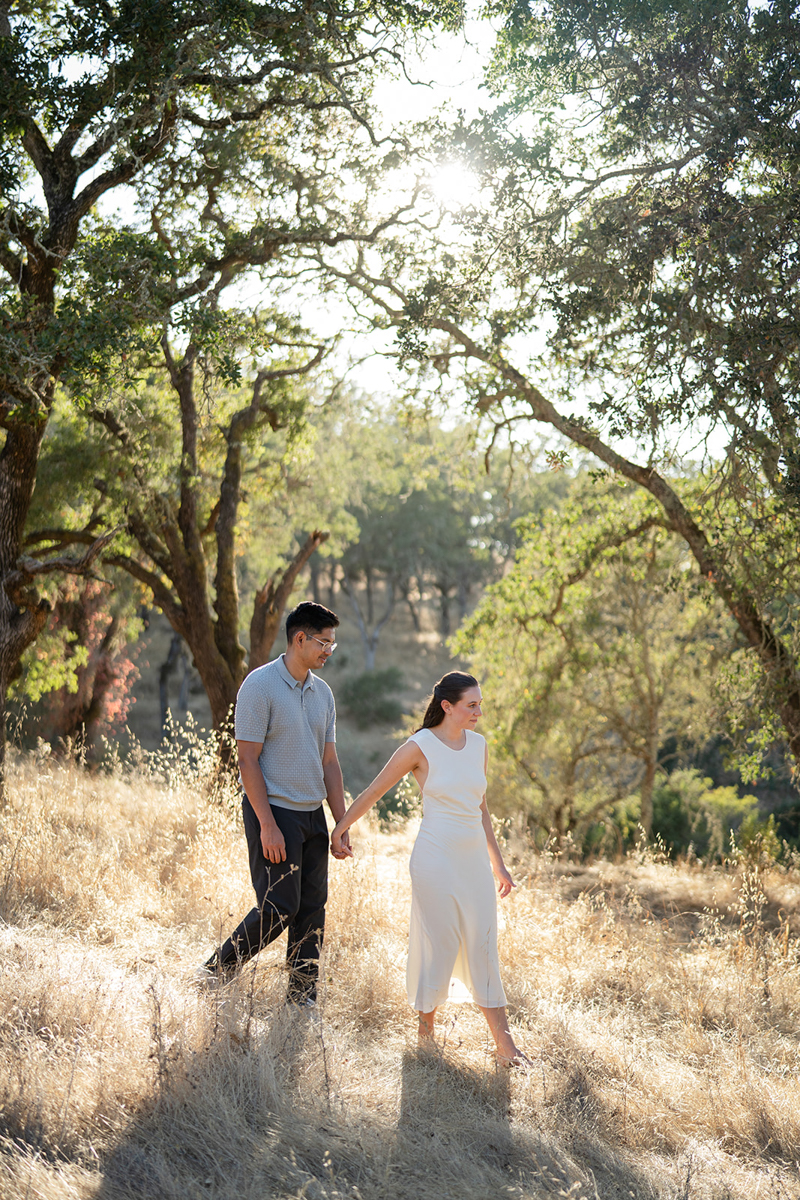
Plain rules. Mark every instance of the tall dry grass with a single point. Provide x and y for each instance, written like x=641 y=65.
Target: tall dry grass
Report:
x=659 y=1004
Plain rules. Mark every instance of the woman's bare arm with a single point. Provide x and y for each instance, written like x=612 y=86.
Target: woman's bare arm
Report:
x=504 y=881
x=408 y=758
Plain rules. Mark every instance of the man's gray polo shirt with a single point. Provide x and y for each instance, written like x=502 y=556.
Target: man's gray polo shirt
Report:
x=294 y=722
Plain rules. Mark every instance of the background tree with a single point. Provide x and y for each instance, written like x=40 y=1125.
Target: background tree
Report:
x=419 y=539
x=97 y=698
x=241 y=449
x=593 y=651
x=218 y=116
x=433 y=526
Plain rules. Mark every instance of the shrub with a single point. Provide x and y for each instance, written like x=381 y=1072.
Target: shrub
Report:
x=372 y=697
x=758 y=842
x=689 y=811
x=397 y=806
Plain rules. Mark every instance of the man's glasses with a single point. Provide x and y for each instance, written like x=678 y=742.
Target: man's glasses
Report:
x=331 y=646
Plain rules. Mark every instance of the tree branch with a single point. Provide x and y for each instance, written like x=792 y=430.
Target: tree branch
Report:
x=63 y=537
x=18 y=581
x=271 y=600
x=163 y=596
x=124 y=171
x=36 y=147
x=611 y=542
x=11 y=263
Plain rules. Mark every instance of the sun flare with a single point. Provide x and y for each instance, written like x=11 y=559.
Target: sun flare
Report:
x=454 y=185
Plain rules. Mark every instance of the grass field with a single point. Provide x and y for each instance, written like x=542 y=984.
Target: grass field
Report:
x=660 y=1005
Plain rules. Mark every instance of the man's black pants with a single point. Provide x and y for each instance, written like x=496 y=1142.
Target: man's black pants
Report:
x=290 y=895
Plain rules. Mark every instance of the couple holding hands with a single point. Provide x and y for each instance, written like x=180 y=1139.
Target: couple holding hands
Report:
x=285 y=732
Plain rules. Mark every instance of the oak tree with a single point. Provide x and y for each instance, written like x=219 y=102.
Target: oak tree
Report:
x=593 y=651
x=624 y=272
x=226 y=135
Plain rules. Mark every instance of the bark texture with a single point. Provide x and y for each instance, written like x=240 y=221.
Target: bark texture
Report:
x=270 y=602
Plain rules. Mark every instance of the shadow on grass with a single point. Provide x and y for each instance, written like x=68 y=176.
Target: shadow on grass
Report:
x=268 y=1116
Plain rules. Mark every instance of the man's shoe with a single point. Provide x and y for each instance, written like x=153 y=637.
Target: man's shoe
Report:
x=211 y=976
x=306 y=1006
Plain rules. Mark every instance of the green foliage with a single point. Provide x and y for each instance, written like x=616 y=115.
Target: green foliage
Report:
x=404 y=802
x=53 y=662
x=591 y=651
x=370 y=698
x=626 y=274
x=58 y=658
x=758 y=842
x=688 y=811
x=239 y=130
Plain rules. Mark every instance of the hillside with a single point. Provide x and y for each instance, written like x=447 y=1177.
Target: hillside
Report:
x=658 y=1003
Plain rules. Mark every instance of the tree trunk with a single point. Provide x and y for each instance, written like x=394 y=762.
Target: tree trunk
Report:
x=370 y=603
x=23 y=613
x=270 y=602
x=186 y=682
x=220 y=685
x=370 y=640
x=314 y=572
x=646 y=794
x=412 y=608
x=164 y=672
x=462 y=598
x=444 y=613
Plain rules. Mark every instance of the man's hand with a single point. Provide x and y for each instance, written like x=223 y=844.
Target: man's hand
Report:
x=340 y=844
x=272 y=842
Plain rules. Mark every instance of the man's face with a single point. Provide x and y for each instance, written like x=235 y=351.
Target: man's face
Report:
x=315 y=648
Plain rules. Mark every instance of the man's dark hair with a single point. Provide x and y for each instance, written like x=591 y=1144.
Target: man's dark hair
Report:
x=311 y=618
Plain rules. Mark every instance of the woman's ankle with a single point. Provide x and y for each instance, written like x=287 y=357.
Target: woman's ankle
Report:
x=506 y=1046
x=425 y=1026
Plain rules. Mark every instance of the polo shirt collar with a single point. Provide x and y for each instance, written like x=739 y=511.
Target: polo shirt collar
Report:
x=286 y=674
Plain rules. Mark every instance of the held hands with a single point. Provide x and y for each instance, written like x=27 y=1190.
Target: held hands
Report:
x=504 y=881
x=340 y=843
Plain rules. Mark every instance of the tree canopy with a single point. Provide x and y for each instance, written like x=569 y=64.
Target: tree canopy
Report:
x=625 y=273
x=227 y=136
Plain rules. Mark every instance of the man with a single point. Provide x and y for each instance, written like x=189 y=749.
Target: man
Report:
x=285 y=733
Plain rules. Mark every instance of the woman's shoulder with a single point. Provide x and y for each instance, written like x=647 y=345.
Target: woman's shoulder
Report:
x=476 y=738
x=416 y=746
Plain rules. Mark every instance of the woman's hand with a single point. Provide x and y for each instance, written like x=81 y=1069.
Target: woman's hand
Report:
x=504 y=881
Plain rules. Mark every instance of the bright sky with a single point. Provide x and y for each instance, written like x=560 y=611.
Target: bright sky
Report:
x=449 y=71
x=446 y=73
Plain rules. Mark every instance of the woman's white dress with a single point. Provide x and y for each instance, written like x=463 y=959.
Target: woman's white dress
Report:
x=453 y=904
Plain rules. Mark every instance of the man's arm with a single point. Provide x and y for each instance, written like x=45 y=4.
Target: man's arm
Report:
x=272 y=842
x=334 y=790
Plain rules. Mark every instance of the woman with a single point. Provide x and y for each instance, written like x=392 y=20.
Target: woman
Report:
x=453 y=906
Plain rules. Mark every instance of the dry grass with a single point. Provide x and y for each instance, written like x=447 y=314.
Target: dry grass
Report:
x=660 y=1005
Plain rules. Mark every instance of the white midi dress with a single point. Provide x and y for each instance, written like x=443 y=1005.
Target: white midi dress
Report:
x=453 y=938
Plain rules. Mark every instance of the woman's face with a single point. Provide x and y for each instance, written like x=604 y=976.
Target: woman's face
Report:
x=465 y=712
